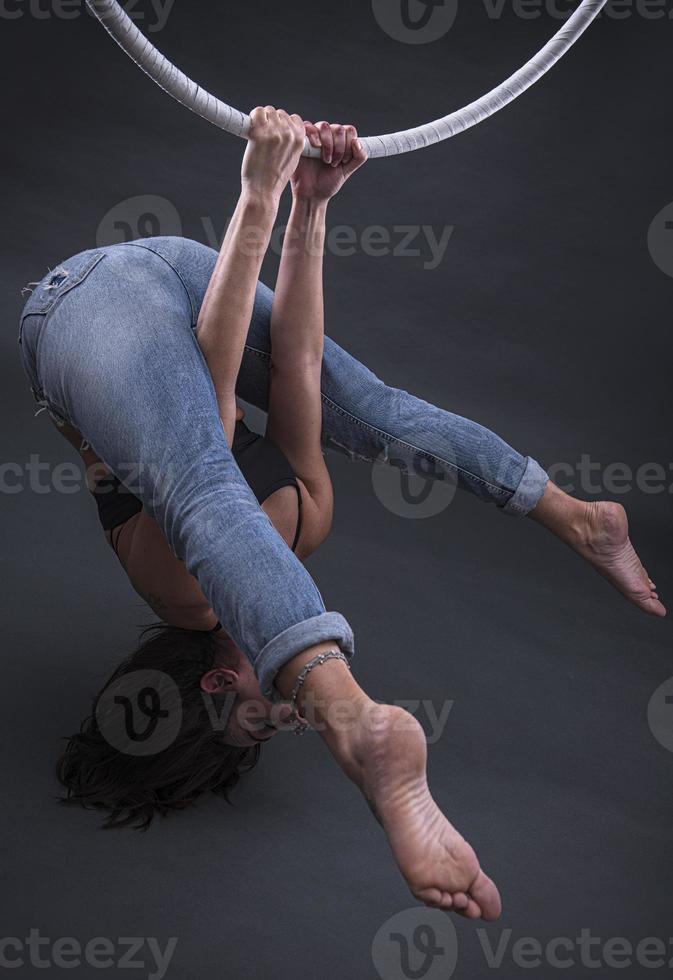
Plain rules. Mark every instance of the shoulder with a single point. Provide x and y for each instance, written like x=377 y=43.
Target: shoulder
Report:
x=159 y=577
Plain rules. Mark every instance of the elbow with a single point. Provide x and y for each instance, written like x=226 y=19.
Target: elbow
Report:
x=310 y=541
x=318 y=517
x=298 y=364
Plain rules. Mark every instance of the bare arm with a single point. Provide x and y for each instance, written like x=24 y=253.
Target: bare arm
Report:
x=275 y=144
x=227 y=307
x=297 y=334
x=297 y=321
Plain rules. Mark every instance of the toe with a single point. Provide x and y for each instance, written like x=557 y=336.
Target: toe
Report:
x=487 y=897
x=435 y=898
x=447 y=900
x=473 y=911
x=653 y=605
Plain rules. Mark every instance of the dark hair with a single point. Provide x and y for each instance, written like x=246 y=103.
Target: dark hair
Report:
x=135 y=788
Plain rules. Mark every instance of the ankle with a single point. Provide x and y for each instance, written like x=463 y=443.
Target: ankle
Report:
x=578 y=527
x=565 y=516
x=388 y=737
x=343 y=726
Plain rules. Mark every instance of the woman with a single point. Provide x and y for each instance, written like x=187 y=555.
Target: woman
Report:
x=138 y=352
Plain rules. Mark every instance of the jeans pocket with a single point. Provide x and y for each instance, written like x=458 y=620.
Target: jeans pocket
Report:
x=59 y=281
x=35 y=315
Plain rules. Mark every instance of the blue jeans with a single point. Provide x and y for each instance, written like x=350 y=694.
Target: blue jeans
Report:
x=107 y=342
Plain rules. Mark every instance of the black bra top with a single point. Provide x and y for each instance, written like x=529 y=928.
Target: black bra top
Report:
x=265 y=468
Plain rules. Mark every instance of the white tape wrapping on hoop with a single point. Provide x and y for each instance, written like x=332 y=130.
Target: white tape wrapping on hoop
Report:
x=191 y=95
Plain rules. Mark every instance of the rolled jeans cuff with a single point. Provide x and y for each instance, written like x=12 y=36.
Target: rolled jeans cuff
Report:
x=318 y=629
x=529 y=491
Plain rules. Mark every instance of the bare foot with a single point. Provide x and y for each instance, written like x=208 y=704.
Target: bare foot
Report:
x=438 y=864
x=599 y=532
x=604 y=542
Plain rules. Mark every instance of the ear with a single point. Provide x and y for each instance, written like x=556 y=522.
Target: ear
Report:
x=220 y=680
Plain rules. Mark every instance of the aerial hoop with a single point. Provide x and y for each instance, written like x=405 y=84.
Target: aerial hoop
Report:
x=191 y=95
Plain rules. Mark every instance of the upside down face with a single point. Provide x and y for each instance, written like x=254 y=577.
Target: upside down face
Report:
x=252 y=718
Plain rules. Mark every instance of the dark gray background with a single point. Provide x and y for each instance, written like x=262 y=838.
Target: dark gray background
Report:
x=547 y=321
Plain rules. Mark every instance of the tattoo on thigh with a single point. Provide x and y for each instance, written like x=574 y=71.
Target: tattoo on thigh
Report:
x=156 y=602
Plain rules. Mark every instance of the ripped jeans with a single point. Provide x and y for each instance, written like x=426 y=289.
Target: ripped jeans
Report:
x=107 y=342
